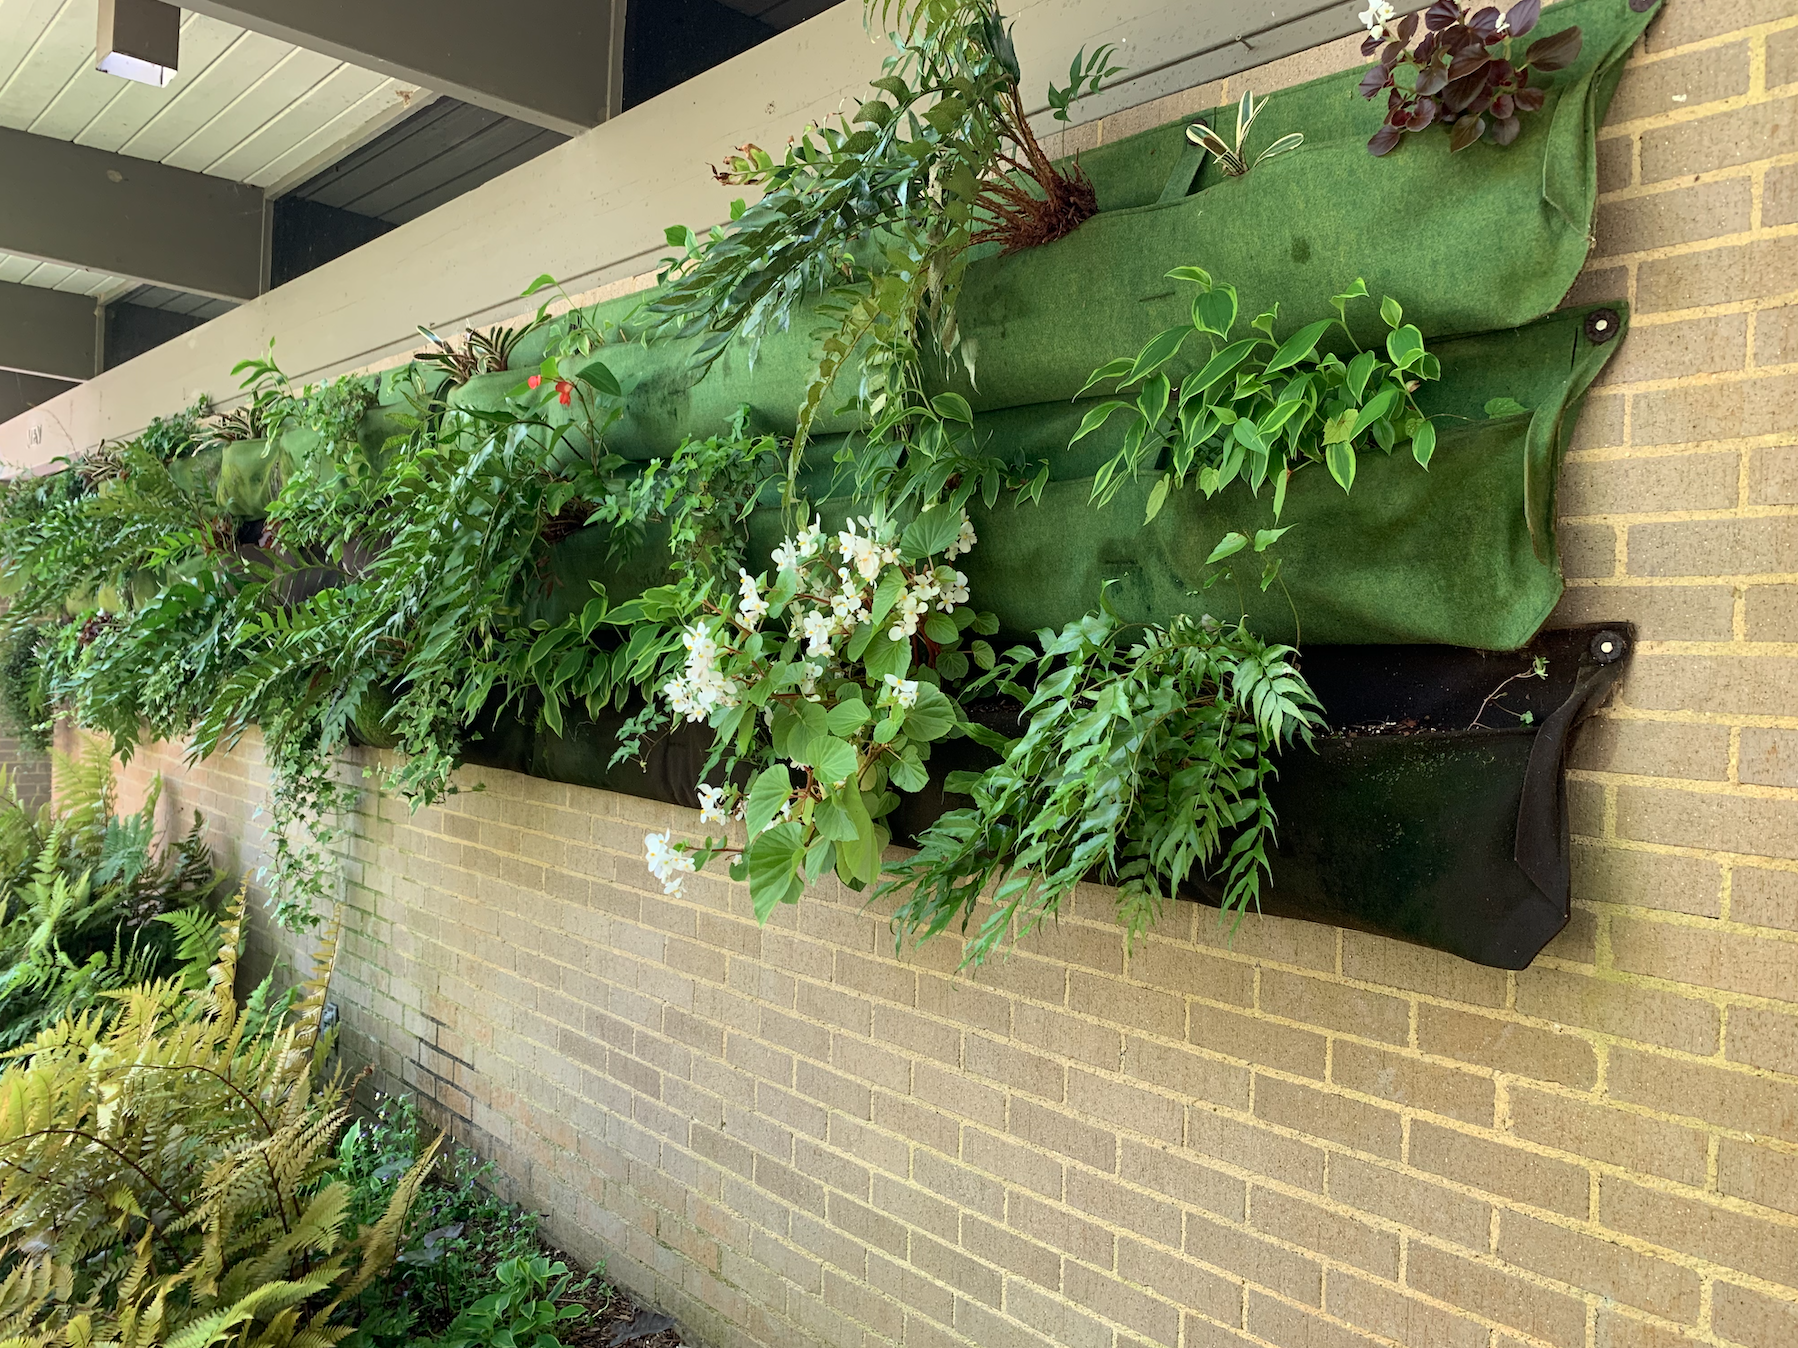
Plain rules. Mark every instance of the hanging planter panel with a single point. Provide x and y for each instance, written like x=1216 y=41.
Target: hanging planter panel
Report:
x=1435 y=812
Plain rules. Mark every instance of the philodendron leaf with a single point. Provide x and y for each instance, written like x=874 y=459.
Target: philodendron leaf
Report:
x=1266 y=538
x=1298 y=346
x=774 y=861
x=1157 y=498
x=1423 y=443
x=597 y=375
x=1340 y=459
x=1228 y=546
x=1405 y=346
x=767 y=793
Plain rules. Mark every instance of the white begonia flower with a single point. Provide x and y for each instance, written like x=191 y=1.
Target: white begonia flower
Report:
x=1375 y=17
x=904 y=691
x=808 y=682
x=906 y=613
x=810 y=538
x=666 y=862
x=704 y=687
x=786 y=556
x=818 y=628
x=954 y=588
x=847 y=607
x=711 y=805
x=751 y=608
x=964 y=541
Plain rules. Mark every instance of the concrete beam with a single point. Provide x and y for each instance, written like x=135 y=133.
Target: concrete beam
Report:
x=83 y=207
x=554 y=63
x=47 y=332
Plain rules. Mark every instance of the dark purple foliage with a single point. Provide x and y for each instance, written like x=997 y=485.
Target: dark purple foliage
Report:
x=1462 y=74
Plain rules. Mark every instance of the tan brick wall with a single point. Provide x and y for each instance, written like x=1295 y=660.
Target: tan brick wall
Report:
x=30 y=770
x=1306 y=1138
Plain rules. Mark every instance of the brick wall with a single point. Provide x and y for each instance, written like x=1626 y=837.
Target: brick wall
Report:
x=29 y=768
x=1306 y=1138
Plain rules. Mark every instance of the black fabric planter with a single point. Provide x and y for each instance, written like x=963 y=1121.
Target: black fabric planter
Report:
x=1439 y=833
x=1409 y=820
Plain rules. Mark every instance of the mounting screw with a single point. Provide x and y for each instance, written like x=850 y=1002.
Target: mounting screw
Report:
x=1602 y=325
x=1609 y=647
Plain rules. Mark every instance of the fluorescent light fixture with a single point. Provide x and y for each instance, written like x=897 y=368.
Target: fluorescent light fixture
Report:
x=139 y=40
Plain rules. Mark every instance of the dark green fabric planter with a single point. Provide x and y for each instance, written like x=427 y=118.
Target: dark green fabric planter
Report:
x=1408 y=820
x=1408 y=556
x=1485 y=240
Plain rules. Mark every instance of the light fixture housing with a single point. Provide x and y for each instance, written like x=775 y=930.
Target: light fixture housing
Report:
x=139 y=40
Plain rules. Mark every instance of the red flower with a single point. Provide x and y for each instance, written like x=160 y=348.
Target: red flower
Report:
x=533 y=381
x=564 y=392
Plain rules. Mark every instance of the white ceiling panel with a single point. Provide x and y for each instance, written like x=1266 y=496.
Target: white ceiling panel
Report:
x=241 y=106
x=54 y=276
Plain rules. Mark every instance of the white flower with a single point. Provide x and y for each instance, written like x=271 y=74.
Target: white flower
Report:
x=810 y=538
x=904 y=691
x=751 y=608
x=1375 y=17
x=817 y=628
x=964 y=541
x=809 y=674
x=865 y=552
x=786 y=556
x=703 y=688
x=666 y=862
x=711 y=805
x=906 y=613
x=953 y=586
x=847 y=608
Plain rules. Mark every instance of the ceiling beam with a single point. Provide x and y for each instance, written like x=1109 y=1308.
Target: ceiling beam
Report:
x=47 y=332
x=554 y=63
x=83 y=207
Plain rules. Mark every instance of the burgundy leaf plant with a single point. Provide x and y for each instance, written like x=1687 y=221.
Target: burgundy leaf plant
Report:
x=1463 y=73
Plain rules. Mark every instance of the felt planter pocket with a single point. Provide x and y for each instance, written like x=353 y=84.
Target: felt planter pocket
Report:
x=1435 y=812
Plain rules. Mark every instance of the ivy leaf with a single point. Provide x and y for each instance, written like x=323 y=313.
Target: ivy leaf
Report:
x=1505 y=407
x=774 y=861
x=1266 y=538
x=767 y=793
x=1228 y=546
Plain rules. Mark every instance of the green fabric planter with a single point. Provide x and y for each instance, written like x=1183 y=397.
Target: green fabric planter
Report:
x=1408 y=556
x=1488 y=239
